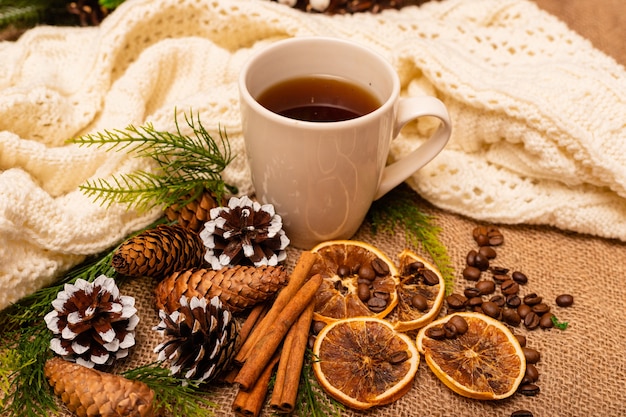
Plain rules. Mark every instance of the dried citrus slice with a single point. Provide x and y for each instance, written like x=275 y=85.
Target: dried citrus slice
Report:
x=483 y=362
x=359 y=281
x=420 y=294
x=363 y=362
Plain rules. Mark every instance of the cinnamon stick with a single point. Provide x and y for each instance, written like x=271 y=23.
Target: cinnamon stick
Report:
x=265 y=347
x=289 y=369
x=249 y=403
x=296 y=280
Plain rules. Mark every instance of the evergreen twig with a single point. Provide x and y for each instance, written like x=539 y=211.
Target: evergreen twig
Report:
x=311 y=401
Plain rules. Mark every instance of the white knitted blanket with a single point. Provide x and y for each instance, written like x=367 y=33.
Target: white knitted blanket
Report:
x=538 y=113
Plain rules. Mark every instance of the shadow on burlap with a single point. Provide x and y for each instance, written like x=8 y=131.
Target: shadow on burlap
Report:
x=582 y=369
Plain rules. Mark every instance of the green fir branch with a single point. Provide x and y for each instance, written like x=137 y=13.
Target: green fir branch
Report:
x=187 y=164
x=311 y=400
x=400 y=208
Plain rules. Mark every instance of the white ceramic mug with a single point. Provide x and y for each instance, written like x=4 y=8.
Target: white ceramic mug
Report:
x=322 y=177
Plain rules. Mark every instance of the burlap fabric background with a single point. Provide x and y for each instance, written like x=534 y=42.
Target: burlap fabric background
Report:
x=582 y=369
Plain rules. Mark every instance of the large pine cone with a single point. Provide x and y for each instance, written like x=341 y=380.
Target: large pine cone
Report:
x=239 y=287
x=202 y=338
x=92 y=323
x=159 y=252
x=88 y=392
x=194 y=214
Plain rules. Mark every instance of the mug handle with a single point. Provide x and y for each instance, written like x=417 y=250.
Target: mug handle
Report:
x=410 y=109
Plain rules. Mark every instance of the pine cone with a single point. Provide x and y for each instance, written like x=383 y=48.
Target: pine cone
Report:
x=202 y=338
x=193 y=215
x=92 y=323
x=238 y=288
x=88 y=392
x=244 y=233
x=159 y=252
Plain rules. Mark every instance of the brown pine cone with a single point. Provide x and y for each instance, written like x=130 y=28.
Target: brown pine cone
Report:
x=159 y=252
x=193 y=215
x=238 y=288
x=89 y=393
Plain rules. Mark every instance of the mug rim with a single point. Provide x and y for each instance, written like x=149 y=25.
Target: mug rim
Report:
x=303 y=40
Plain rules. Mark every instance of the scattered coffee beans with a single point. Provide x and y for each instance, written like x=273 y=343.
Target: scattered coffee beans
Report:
x=471 y=273
x=459 y=323
x=486 y=287
x=529 y=389
x=519 y=277
x=564 y=300
x=521 y=413
x=419 y=302
x=532 y=355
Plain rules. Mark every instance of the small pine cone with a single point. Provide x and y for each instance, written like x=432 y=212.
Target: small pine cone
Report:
x=244 y=233
x=193 y=215
x=202 y=338
x=159 y=252
x=92 y=323
x=89 y=393
x=238 y=288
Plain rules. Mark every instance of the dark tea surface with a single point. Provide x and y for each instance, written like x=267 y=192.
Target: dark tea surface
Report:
x=318 y=99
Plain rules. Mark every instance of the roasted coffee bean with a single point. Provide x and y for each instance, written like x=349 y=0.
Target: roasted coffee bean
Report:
x=364 y=281
x=471 y=273
x=380 y=267
x=519 y=277
x=475 y=301
x=478 y=309
x=532 y=355
x=564 y=300
x=546 y=321
x=381 y=294
x=430 y=278
x=509 y=287
x=318 y=326
x=488 y=252
x=495 y=237
x=540 y=308
x=499 y=270
x=355 y=269
x=456 y=301
x=523 y=310
x=521 y=413
x=450 y=330
x=311 y=342
x=531 y=321
x=513 y=300
x=436 y=332
x=459 y=323
x=343 y=271
x=376 y=304
x=471 y=292
x=486 y=287
x=470 y=258
x=529 y=389
x=363 y=292
x=398 y=357
x=490 y=309
x=480 y=235
x=500 y=278
x=416 y=266
x=419 y=302
x=499 y=300
x=521 y=339
x=532 y=299
x=511 y=317
x=367 y=272
x=531 y=372
x=481 y=262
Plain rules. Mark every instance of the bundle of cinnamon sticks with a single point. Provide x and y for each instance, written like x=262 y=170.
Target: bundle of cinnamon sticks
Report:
x=273 y=336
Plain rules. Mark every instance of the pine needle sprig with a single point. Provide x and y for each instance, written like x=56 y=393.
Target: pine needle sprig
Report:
x=171 y=394
x=400 y=208
x=186 y=165
x=311 y=401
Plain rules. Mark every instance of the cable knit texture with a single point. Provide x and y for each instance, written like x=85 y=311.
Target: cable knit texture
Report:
x=538 y=114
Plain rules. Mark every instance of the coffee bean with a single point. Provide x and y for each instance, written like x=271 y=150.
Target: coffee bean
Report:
x=459 y=323
x=471 y=292
x=499 y=269
x=481 y=262
x=367 y=272
x=382 y=294
x=475 y=301
x=546 y=321
x=564 y=300
x=343 y=271
x=499 y=300
x=380 y=267
x=470 y=258
x=531 y=372
x=509 y=287
x=521 y=339
x=519 y=277
x=450 y=330
x=532 y=299
x=521 y=413
x=491 y=309
x=478 y=309
x=430 y=278
x=510 y=316
x=532 y=355
x=435 y=332
x=363 y=292
x=500 y=278
x=318 y=326
x=486 y=287
x=471 y=273
x=480 y=235
x=355 y=269
x=398 y=357
x=523 y=310
x=414 y=267
x=495 y=237
x=513 y=300
x=541 y=308
x=456 y=301
x=488 y=252
x=376 y=304
x=419 y=302
x=531 y=321
x=529 y=390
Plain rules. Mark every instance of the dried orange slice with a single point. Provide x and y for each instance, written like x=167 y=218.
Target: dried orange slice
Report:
x=485 y=362
x=420 y=294
x=363 y=362
x=359 y=281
